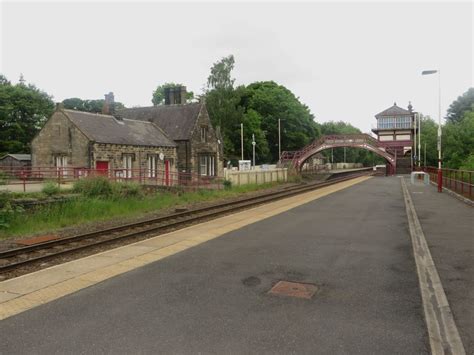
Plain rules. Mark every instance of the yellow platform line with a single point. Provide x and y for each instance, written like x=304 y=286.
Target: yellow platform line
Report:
x=25 y=292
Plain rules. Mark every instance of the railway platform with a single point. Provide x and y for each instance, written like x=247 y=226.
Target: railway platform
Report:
x=214 y=287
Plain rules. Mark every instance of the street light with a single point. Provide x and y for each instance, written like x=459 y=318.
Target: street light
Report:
x=419 y=139
x=242 y=140
x=253 y=149
x=440 y=173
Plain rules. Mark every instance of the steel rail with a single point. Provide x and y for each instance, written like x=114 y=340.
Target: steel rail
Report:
x=193 y=215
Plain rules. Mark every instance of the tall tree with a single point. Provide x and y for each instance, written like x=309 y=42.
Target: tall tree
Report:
x=462 y=104
x=428 y=136
x=220 y=77
x=158 y=97
x=458 y=141
x=223 y=105
x=272 y=102
x=23 y=110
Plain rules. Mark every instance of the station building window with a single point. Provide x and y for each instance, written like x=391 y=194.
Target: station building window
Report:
x=127 y=164
x=207 y=165
x=60 y=163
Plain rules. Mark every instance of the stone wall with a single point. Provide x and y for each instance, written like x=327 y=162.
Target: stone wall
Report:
x=60 y=136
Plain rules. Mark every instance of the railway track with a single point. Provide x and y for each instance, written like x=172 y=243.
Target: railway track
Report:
x=13 y=260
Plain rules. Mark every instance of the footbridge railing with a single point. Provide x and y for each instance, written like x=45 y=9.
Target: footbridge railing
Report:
x=296 y=159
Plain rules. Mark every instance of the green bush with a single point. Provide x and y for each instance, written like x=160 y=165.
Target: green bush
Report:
x=227 y=184
x=50 y=188
x=7 y=213
x=3 y=178
x=468 y=163
x=98 y=186
x=5 y=197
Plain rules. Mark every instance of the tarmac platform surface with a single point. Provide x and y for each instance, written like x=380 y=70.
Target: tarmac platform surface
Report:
x=213 y=296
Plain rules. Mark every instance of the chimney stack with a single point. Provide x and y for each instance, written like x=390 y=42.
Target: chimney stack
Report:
x=183 y=95
x=109 y=104
x=175 y=95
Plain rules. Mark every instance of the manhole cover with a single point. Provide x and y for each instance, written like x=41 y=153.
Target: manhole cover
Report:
x=294 y=289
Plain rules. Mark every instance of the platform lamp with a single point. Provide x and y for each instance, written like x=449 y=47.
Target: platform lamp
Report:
x=440 y=172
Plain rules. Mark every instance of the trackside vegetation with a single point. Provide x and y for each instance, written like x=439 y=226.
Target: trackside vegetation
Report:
x=98 y=199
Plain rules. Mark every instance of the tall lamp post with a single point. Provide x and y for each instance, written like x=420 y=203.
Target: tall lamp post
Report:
x=253 y=150
x=242 y=140
x=440 y=173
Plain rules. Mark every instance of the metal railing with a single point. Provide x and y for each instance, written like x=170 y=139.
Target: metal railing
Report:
x=63 y=175
x=459 y=181
x=336 y=140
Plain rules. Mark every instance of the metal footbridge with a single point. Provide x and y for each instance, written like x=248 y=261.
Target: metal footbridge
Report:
x=296 y=159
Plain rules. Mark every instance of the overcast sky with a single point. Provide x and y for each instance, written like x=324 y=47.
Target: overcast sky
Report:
x=346 y=61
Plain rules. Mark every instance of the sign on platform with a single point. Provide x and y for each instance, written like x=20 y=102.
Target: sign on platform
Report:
x=244 y=165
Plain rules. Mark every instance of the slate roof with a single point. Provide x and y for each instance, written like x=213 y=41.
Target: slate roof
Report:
x=176 y=120
x=393 y=111
x=107 y=129
x=22 y=157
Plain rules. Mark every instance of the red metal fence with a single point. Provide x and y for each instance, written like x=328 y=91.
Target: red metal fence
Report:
x=38 y=175
x=459 y=181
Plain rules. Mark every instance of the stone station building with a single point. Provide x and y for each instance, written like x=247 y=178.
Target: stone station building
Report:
x=172 y=138
x=74 y=142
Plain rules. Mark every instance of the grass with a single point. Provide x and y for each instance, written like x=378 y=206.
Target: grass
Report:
x=84 y=210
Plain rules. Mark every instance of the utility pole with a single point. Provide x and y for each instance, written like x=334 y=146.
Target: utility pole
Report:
x=253 y=149
x=419 y=139
x=440 y=172
x=414 y=146
x=242 y=140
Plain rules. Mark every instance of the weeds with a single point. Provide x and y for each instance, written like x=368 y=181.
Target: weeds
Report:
x=98 y=186
x=124 y=200
x=50 y=188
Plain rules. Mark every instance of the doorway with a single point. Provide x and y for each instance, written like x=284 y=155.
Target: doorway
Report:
x=102 y=167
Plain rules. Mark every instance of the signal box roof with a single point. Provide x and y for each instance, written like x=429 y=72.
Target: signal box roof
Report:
x=394 y=111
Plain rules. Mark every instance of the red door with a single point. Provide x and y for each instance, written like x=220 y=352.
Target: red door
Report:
x=167 y=172
x=102 y=167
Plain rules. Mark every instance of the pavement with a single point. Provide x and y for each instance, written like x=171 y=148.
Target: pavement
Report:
x=209 y=293
x=448 y=225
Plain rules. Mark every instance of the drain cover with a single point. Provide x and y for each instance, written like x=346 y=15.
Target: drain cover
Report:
x=294 y=289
